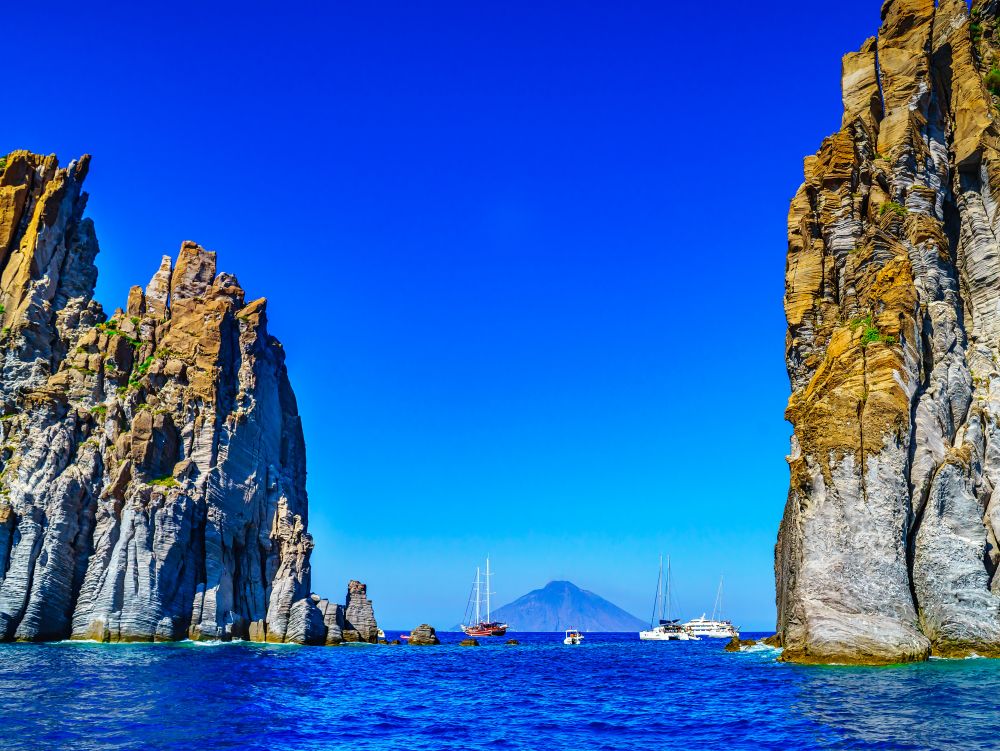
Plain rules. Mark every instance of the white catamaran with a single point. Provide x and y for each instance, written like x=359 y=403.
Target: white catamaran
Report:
x=710 y=627
x=667 y=629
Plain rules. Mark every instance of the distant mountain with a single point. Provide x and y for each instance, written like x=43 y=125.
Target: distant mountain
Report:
x=560 y=605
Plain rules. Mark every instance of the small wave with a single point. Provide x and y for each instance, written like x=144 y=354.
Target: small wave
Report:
x=79 y=641
x=762 y=648
x=220 y=643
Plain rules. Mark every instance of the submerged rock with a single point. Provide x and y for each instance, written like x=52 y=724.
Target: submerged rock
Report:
x=152 y=477
x=512 y=642
x=469 y=643
x=423 y=635
x=888 y=550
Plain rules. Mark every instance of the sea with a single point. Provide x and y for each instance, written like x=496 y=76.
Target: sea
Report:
x=611 y=692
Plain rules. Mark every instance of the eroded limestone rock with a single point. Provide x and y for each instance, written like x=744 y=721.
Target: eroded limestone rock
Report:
x=888 y=549
x=359 y=615
x=423 y=636
x=152 y=471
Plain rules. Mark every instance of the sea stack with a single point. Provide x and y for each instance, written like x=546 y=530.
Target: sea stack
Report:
x=888 y=547
x=152 y=470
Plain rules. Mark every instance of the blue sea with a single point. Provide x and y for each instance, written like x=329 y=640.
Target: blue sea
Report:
x=612 y=692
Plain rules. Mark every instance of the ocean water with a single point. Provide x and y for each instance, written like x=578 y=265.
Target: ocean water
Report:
x=612 y=692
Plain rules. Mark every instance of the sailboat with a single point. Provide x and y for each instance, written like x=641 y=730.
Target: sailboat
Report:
x=715 y=629
x=480 y=626
x=667 y=629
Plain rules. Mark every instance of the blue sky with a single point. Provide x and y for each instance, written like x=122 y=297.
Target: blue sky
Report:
x=526 y=258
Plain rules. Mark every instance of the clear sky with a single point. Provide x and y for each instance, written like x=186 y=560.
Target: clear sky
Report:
x=526 y=258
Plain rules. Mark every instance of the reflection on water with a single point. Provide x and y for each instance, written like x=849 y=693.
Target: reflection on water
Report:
x=938 y=704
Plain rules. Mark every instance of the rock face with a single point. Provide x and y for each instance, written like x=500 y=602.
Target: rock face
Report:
x=888 y=547
x=152 y=469
x=359 y=617
x=423 y=636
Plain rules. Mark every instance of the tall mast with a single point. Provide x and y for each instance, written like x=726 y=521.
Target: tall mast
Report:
x=658 y=597
x=718 y=601
x=668 y=588
x=488 y=619
x=660 y=584
x=478 y=597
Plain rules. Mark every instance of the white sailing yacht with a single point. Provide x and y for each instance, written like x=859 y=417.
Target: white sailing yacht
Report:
x=710 y=627
x=667 y=629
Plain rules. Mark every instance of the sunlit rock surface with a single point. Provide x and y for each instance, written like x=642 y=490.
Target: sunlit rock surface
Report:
x=152 y=465
x=888 y=547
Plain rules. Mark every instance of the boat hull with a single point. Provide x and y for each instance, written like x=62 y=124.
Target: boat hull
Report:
x=718 y=634
x=711 y=629
x=486 y=630
x=656 y=635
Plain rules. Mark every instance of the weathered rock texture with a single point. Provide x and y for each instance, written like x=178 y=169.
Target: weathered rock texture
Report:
x=359 y=616
x=423 y=636
x=152 y=465
x=888 y=547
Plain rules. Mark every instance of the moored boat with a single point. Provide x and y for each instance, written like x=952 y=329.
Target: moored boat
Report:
x=480 y=626
x=573 y=636
x=667 y=629
x=711 y=627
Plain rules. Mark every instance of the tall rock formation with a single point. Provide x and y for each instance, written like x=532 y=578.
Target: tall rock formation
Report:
x=888 y=547
x=152 y=465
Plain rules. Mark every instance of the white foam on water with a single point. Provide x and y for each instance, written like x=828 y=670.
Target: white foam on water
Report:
x=763 y=648
x=212 y=642
x=78 y=641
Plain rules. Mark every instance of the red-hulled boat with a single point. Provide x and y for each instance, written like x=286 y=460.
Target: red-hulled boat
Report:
x=482 y=626
x=486 y=629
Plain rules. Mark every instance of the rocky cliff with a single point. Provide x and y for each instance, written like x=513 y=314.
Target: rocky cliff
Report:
x=152 y=464
x=888 y=547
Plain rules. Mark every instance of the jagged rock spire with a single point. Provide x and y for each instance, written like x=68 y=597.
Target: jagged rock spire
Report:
x=152 y=478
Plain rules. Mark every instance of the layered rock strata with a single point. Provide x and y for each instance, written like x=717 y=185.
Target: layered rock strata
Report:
x=152 y=464
x=888 y=547
x=424 y=635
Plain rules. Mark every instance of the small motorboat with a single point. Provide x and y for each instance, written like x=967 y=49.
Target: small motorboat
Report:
x=404 y=637
x=573 y=637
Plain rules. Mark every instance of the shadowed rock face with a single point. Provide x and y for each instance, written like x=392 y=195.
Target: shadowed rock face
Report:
x=888 y=547
x=153 y=465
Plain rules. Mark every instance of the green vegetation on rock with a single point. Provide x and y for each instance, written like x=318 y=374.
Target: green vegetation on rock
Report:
x=167 y=481
x=897 y=208
x=871 y=333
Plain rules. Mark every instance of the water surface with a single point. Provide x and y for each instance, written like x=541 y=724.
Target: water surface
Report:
x=613 y=692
